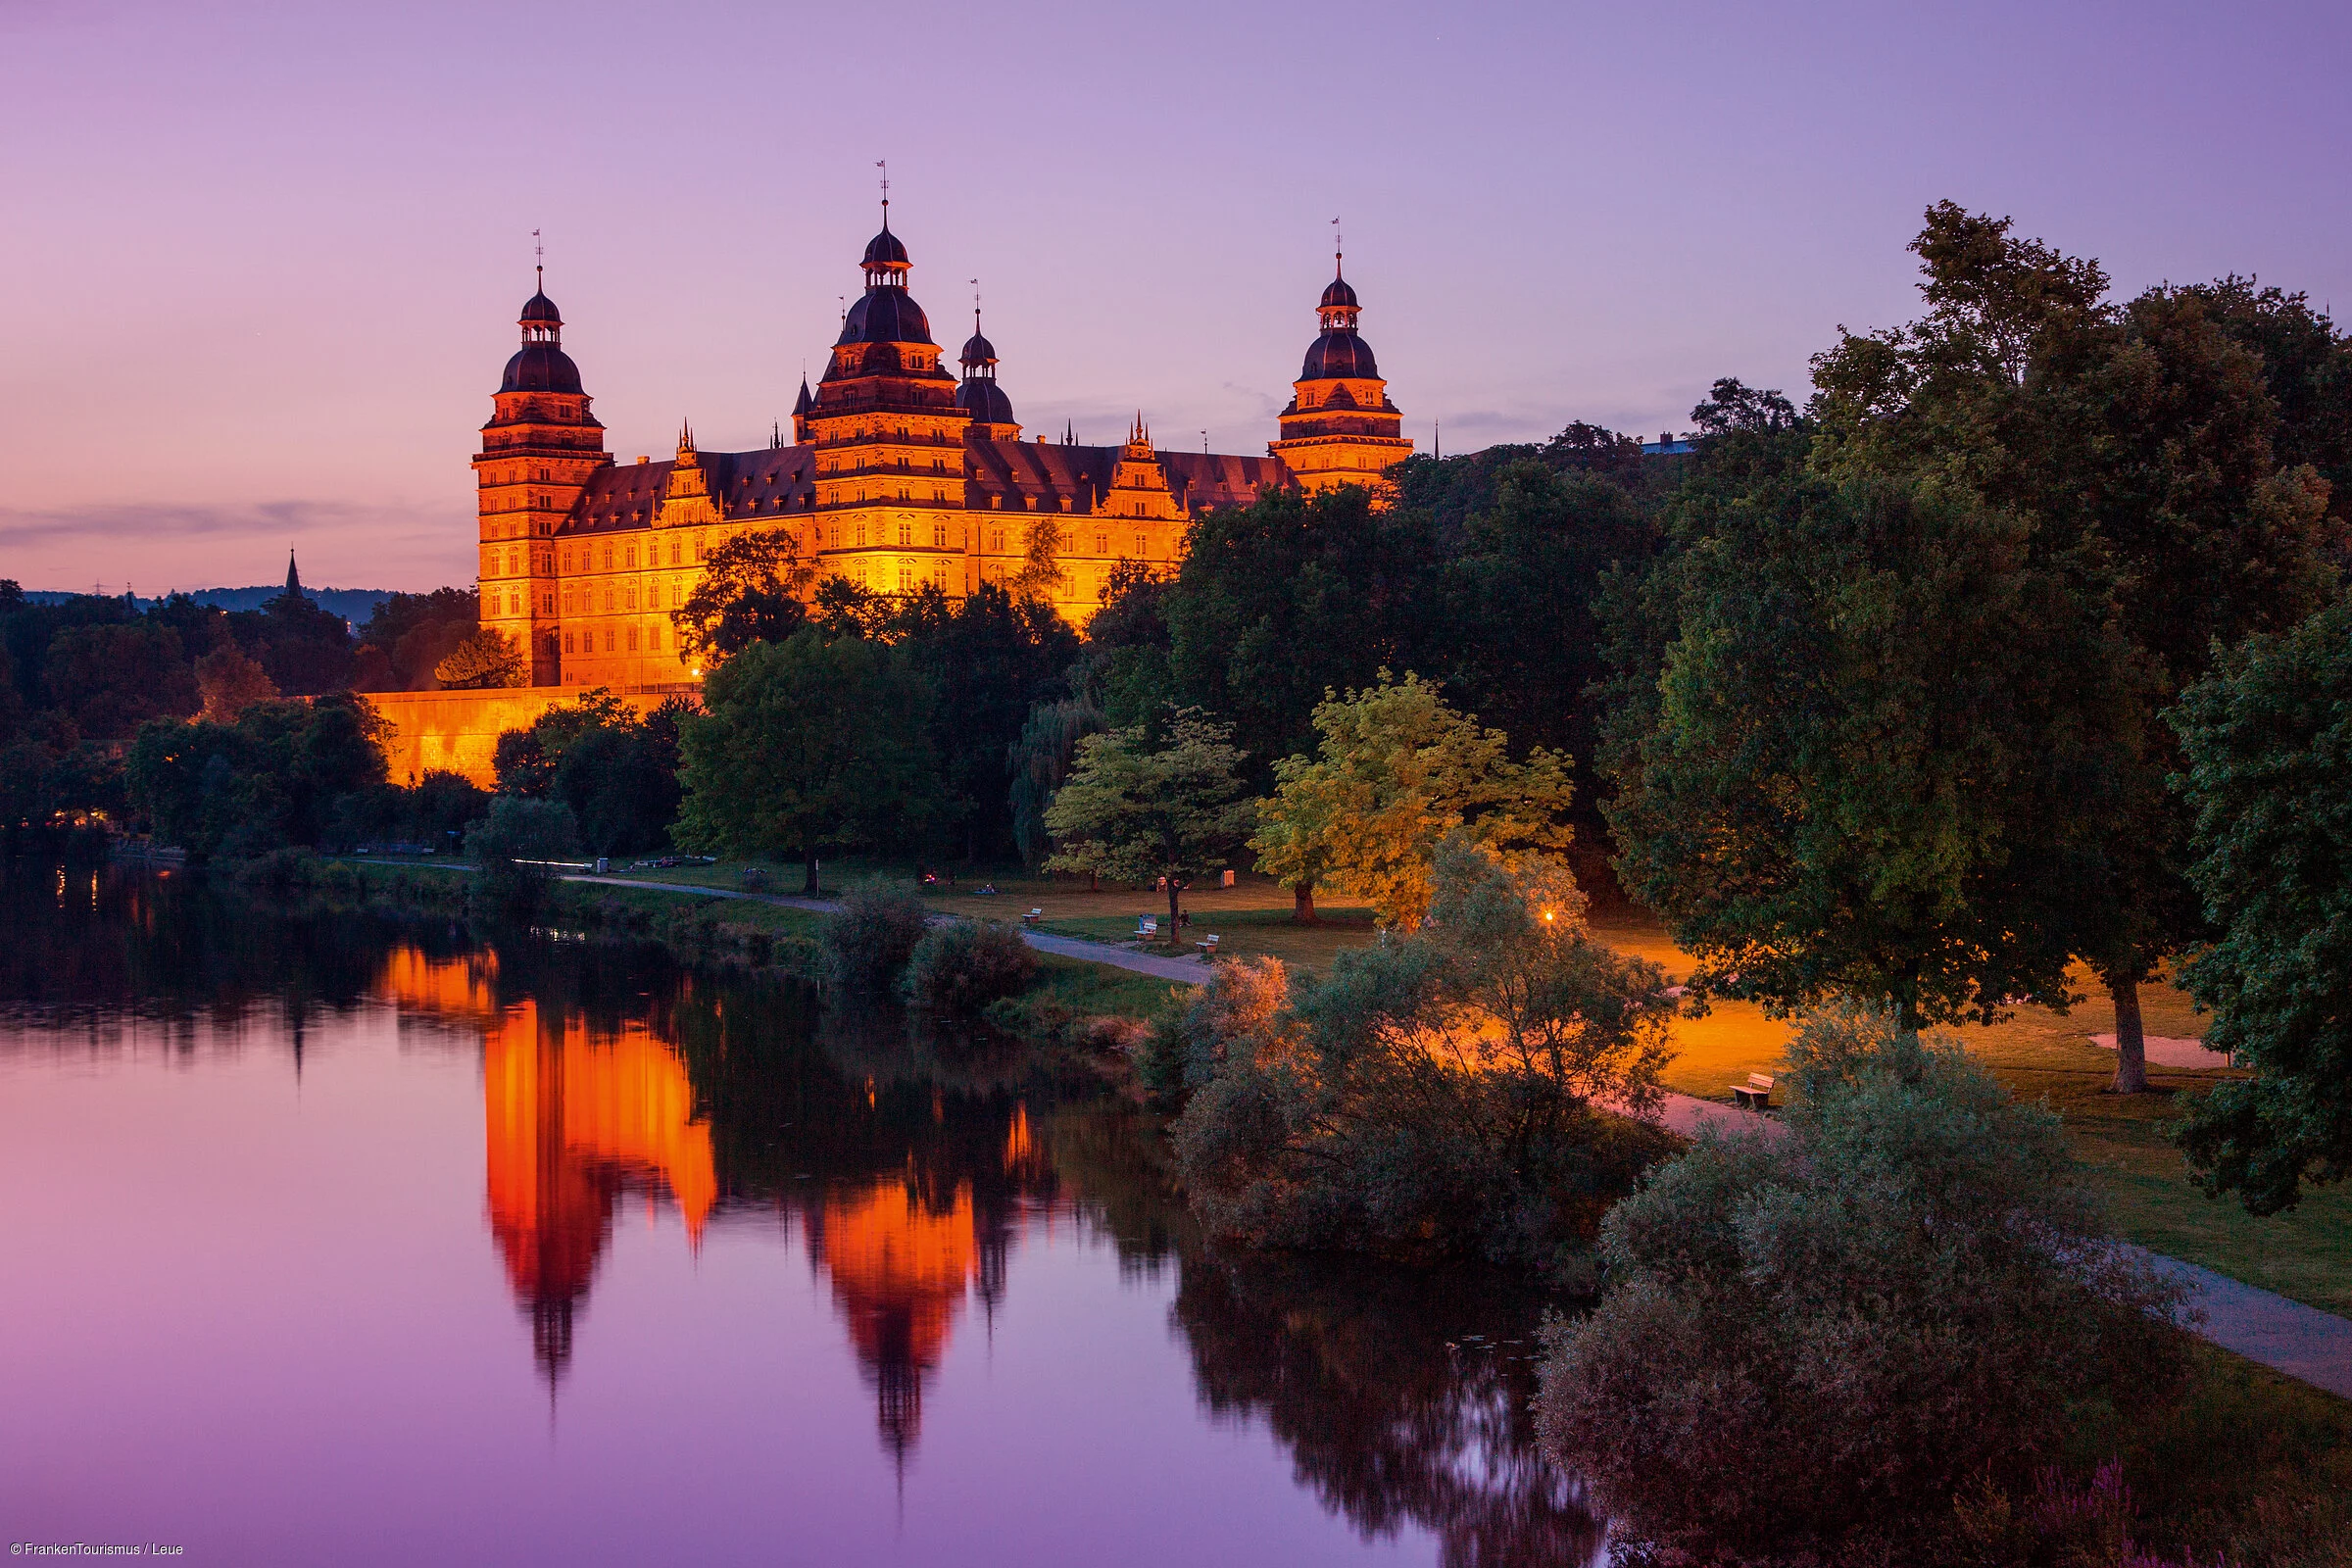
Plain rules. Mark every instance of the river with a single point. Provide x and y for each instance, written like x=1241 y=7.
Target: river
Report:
x=329 y=1237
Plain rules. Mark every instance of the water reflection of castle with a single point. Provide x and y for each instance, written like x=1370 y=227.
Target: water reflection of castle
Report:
x=577 y=1114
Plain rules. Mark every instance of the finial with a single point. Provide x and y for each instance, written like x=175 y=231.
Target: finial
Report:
x=539 y=251
x=883 y=163
x=1336 y=250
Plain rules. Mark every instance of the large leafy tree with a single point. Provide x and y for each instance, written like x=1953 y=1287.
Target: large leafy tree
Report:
x=1825 y=786
x=2139 y=443
x=111 y=679
x=1279 y=602
x=615 y=769
x=809 y=742
x=1398 y=770
x=2267 y=738
x=273 y=777
x=488 y=657
x=1141 y=810
x=750 y=592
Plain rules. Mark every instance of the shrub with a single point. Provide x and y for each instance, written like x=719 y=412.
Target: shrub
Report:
x=280 y=870
x=1811 y=1341
x=867 y=943
x=958 y=969
x=1472 y=1090
x=510 y=848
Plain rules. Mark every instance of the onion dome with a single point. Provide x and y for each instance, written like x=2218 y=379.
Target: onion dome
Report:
x=885 y=315
x=1339 y=351
x=884 y=251
x=985 y=401
x=1341 y=295
x=539 y=308
x=979 y=352
x=541 y=365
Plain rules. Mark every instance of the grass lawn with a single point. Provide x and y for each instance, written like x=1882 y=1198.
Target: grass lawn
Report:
x=1096 y=989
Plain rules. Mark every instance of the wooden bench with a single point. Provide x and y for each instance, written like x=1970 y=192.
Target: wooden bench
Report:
x=1207 y=947
x=1756 y=1094
x=1034 y=917
x=1145 y=929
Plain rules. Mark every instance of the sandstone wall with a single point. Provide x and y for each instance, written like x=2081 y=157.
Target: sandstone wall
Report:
x=458 y=731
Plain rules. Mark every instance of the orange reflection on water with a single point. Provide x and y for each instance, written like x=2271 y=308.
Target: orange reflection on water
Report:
x=573 y=1118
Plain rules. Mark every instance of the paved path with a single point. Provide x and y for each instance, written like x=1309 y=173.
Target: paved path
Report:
x=2286 y=1336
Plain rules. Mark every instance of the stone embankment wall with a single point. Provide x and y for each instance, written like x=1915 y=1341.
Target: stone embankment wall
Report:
x=458 y=731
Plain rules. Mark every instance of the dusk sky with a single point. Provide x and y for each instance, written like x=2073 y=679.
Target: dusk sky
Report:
x=262 y=261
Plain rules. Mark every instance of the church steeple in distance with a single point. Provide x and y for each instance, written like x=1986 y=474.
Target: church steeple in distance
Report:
x=293 y=577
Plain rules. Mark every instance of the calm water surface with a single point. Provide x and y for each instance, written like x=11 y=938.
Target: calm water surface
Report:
x=327 y=1240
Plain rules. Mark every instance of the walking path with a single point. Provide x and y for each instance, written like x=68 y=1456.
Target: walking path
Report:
x=2286 y=1336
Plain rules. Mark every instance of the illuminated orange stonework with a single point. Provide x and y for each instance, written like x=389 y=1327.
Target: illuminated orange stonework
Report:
x=898 y=474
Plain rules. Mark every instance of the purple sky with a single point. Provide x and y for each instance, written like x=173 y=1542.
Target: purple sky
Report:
x=262 y=260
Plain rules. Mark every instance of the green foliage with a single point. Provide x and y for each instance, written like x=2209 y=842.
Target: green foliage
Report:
x=750 y=591
x=510 y=848
x=864 y=945
x=487 y=658
x=231 y=683
x=1815 y=1340
x=960 y=966
x=414 y=632
x=806 y=742
x=1469 y=1091
x=1873 y=724
x=2268 y=742
x=1282 y=602
x=1397 y=770
x=112 y=678
x=273 y=777
x=1138 y=812
x=433 y=811
x=617 y=770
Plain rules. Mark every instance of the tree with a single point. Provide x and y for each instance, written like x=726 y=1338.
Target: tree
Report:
x=1810 y=1341
x=232 y=683
x=516 y=848
x=1281 y=602
x=414 y=632
x=488 y=657
x=750 y=592
x=615 y=770
x=1872 y=728
x=806 y=742
x=1396 y=770
x=1465 y=1091
x=273 y=777
x=1136 y=810
x=2267 y=738
x=2139 y=443
x=306 y=650
x=1040 y=575
x=112 y=678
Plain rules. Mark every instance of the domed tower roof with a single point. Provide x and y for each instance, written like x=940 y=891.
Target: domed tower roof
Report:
x=984 y=401
x=885 y=250
x=541 y=365
x=979 y=353
x=1337 y=351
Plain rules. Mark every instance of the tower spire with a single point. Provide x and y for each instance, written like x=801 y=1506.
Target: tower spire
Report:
x=539 y=259
x=883 y=163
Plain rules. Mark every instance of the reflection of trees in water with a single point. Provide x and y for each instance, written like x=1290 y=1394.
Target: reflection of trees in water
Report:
x=1400 y=1398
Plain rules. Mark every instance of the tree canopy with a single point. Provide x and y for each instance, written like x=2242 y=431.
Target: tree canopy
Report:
x=1142 y=811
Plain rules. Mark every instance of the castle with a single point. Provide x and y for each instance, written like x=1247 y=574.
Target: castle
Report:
x=899 y=475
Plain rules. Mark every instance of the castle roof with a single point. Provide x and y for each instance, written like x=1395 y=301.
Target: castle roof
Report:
x=540 y=308
x=1073 y=477
x=885 y=315
x=774 y=481
x=1339 y=351
x=540 y=367
x=984 y=401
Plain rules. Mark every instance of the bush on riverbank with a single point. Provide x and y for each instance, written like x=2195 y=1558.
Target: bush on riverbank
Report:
x=864 y=947
x=958 y=969
x=1811 y=1342
x=511 y=849
x=1461 y=1092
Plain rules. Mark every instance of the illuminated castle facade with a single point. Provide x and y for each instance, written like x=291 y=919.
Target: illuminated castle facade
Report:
x=900 y=473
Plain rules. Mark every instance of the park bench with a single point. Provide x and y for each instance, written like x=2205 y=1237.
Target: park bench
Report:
x=1207 y=947
x=1756 y=1094
x=1034 y=917
x=1145 y=929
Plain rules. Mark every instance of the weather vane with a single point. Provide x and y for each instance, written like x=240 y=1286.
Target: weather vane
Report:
x=539 y=251
x=883 y=163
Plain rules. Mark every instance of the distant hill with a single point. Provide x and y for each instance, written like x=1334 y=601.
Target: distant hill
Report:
x=354 y=605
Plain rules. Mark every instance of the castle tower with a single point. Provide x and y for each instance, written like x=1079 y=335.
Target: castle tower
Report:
x=538 y=453
x=888 y=440
x=1341 y=428
x=978 y=394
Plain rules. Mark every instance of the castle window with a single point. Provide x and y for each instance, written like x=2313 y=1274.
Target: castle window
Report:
x=995 y=541
x=1101 y=544
x=939 y=535
x=630 y=556
x=906 y=576
x=862 y=530
x=1141 y=551
x=547 y=605
x=631 y=596
x=607 y=558
x=905 y=530
x=608 y=600
x=653 y=638
x=698 y=547
x=673 y=552
x=607 y=639
x=632 y=639
x=567 y=642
